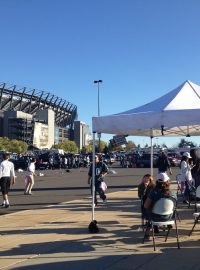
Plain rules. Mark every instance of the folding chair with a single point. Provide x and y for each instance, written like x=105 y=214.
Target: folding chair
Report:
x=197 y=198
x=196 y=220
x=196 y=214
x=164 y=207
x=192 y=192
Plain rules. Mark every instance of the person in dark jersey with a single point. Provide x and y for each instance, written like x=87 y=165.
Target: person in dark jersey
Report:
x=101 y=170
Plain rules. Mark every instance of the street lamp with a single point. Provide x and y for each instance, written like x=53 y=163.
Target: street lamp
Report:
x=98 y=82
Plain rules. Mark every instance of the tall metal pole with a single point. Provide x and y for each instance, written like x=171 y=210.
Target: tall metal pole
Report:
x=99 y=134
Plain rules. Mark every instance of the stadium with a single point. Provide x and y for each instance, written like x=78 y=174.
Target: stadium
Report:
x=37 y=117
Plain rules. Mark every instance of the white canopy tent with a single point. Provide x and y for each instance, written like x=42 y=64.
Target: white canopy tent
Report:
x=175 y=114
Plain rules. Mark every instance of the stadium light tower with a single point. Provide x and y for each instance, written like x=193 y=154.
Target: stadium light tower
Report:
x=98 y=82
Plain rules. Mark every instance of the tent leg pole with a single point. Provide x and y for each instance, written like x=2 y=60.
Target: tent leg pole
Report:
x=93 y=175
x=93 y=228
x=151 y=155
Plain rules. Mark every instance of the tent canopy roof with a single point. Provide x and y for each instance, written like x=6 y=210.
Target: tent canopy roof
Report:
x=175 y=114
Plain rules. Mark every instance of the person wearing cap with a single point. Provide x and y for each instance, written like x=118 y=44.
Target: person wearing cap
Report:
x=185 y=178
x=163 y=163
x=101 y=170
x=161 y=190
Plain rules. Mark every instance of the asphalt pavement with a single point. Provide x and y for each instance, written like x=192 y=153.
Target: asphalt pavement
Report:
x=57 y=186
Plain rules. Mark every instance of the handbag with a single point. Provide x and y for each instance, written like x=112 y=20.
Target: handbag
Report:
x=103 y=186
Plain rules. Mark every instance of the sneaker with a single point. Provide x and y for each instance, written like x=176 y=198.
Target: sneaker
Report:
x=7 y=205
x=3 y=205
x=29 y=193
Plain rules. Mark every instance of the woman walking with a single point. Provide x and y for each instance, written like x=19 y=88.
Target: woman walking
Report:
x=30 y=173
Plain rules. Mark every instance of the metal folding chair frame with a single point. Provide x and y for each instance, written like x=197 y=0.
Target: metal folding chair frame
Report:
x=196 y=220
x=168 y=224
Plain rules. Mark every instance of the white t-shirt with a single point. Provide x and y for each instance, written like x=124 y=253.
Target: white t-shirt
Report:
x=31 y=169
x=185 y=171
x=7 y=169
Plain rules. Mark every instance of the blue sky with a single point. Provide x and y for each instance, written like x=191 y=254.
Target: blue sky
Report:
x=141 y=49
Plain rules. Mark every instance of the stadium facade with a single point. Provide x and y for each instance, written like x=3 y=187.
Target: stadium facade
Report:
x=37 y=117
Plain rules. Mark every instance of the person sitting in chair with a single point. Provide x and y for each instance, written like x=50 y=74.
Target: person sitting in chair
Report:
x=161 y=190
x=144 y=188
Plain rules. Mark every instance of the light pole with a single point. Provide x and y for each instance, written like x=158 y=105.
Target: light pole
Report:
x=99 y=134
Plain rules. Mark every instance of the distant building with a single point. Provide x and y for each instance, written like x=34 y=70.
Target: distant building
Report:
x=82 y=134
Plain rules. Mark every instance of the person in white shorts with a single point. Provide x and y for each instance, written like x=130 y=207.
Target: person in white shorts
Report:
x=30 y=173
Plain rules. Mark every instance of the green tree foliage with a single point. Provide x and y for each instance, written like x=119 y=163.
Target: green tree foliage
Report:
x=106 y=149
x=67 y=146
x=102 y=145
x=86 y=149
x=184 y=143
x=13 y=146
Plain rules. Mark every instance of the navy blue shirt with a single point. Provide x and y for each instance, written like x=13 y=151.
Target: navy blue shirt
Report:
x=100 y=168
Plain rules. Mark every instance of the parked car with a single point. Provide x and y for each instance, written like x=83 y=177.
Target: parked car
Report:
x=144 y=161
x=174 y=159
x=108 y=159
x=20 y=162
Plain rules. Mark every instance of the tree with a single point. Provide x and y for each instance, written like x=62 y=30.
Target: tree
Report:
x=86 y=149
x=18 y=146
x=102 y=145
x=184 y=143
x=106 y=149
x=67 y=146
x=13 y=146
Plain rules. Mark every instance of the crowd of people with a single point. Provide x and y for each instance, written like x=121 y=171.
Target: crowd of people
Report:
x=189 y=177
x=7 y=173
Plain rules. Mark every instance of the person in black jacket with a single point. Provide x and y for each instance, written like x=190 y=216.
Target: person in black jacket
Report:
x=196 y=173
x=163 y=163
x=101 y=170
